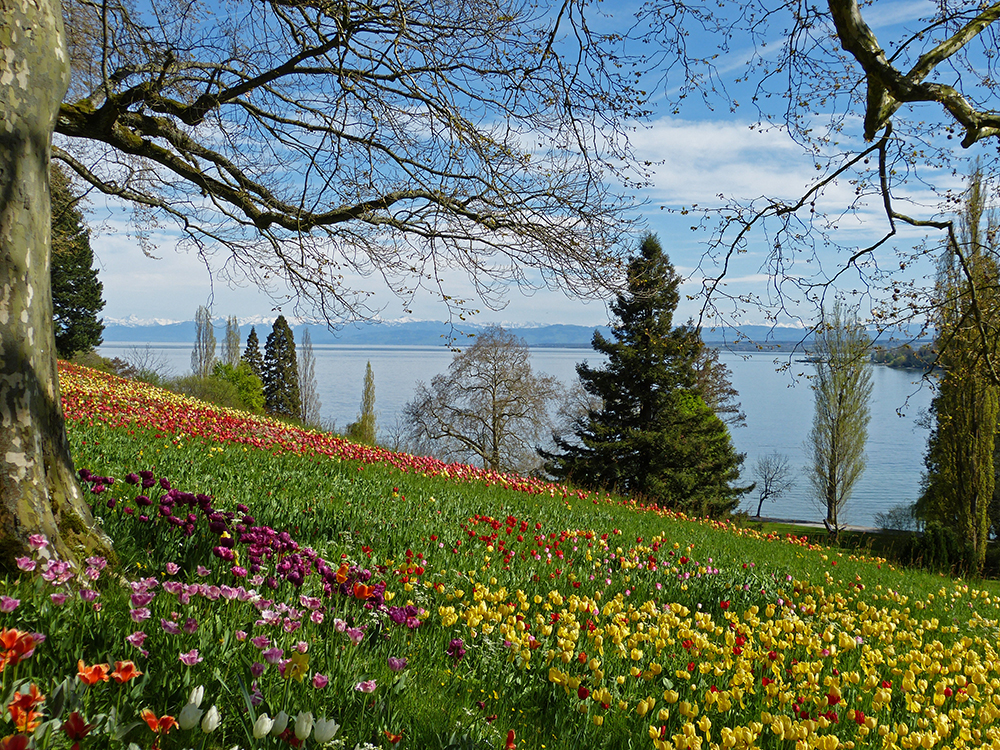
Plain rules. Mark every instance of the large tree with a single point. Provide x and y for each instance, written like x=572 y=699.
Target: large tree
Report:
x=76 y=290
x=490 y=406
x=651 y=433
x=842 y=389
x=960 y=479
x=281 y=372
x=38 y=488
x=283 y=134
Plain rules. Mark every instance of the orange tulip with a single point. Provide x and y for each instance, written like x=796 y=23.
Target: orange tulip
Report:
x=21 y=709
x=342 y=572
x=361 y=591
x=160 y=725
x=17 y=645
x=511 y=744
x=393 y=738
x=93 y=674
x=125 y=671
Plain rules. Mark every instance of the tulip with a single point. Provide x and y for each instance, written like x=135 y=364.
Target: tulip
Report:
x=325 y=730
x=303 y=725
x=280 y=723
x=189 y=717
x=211 y=721
x=262 y=726
x=196 y=695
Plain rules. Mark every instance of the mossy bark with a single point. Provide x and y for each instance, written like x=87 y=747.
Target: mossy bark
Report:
x=39 y=493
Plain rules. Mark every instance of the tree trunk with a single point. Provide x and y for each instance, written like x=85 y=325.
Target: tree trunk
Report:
x=39 y=493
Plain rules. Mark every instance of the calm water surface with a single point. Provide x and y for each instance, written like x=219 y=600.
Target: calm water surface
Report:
x=778 y=406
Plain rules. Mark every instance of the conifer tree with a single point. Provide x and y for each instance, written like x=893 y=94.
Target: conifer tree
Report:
x=252 y=355
x=960 y=480
x=653 y=437
x=281 y=372
x=76 y=292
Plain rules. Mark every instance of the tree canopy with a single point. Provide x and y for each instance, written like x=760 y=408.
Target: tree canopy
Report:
x=284 y=132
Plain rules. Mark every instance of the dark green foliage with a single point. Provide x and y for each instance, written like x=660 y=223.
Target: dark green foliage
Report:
x=247 y=384
x=281 y=372
x=208 y=388
x=76 y=292
x=654 y=437
x=906 y=357
x=252 y=355
x=939 y=548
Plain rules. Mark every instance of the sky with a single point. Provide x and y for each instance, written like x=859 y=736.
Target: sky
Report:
x=697 y=154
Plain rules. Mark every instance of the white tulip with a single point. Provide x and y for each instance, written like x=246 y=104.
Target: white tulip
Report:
x=211 y=721
x=196 y=695
x=280 y=723
x=303 y=725
x=325 y=730
x=189 y=717
x=262 y=726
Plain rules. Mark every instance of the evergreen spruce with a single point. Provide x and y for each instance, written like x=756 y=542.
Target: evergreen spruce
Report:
x=252 y=355
x=281 y=372
x=653 y=437
x=76 y=292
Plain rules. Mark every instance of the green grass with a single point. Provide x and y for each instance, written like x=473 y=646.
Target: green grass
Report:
x=613 y=590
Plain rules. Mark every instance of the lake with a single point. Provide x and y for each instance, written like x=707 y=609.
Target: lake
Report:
x=778 y=406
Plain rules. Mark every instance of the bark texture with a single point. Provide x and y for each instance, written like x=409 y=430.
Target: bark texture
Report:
x=39 y=493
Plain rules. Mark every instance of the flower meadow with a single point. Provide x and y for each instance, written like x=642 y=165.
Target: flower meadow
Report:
x=276 y=587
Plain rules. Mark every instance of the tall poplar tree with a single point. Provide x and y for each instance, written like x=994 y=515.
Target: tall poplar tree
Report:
x=281 y=372
x=203 y=353
x=843 y=389
x=960 y=479
x=653 y=437
x=76 y=291
x=308 y=387
x=231 y=343
x=364 y=429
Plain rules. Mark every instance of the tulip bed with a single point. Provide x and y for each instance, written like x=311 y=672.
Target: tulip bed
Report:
x=277 y=587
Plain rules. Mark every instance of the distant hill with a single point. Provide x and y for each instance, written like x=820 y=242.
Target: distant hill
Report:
x=435 y=333
x=415 y=333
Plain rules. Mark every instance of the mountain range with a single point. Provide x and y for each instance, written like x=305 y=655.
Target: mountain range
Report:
x=429 y=333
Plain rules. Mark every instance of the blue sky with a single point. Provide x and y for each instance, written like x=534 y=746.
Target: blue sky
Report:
x=699 y=154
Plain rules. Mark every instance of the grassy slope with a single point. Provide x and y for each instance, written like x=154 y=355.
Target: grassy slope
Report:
x=662 y=621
